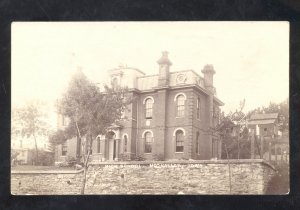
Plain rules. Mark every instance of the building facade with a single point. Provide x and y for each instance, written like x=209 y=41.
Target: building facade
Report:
x=169 y=118
x=266 y=125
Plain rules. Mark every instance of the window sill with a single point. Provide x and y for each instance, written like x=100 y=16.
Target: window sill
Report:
x=178 y=152
x=179 y=117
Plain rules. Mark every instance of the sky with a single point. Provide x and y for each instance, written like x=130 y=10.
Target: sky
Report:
x=251 y=59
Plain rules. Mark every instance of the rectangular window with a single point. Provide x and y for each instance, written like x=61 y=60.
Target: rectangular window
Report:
x=180 y=106
x=125 y=143
x=98 y=145
x=197 y=143
x=64 y=149
x=198 y=108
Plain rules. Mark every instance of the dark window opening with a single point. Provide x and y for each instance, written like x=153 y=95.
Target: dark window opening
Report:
x=125 y=143
x=198 y=108
x=64 y=149
x=98 y=144
x=149 y=108
x=148 y=142
x=180 y=106
x=179 y=141
x=197 y=143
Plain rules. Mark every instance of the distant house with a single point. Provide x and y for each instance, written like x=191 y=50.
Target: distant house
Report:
x=25 y=156
x=267 y=124
x=25 y=147
x=169 y=119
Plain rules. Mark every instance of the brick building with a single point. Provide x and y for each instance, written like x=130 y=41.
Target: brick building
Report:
x=168 y=120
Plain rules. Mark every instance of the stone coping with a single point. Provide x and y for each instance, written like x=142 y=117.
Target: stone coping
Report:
x=48 y=172
x=223 y=161
x=232 y=161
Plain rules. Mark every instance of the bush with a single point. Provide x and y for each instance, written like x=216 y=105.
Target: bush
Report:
x=70 y=161
x=159 y=157
x=124 y=157
x=138 y=158
x=44 y=158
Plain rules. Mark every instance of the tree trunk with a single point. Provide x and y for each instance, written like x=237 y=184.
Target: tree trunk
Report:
x=78 y=150
x=238 y=145
x=36 y=151
x=86 y=166
x=229 y=169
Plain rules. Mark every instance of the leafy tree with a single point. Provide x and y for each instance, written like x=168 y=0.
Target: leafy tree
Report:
x=30 y=121
x=90 y=111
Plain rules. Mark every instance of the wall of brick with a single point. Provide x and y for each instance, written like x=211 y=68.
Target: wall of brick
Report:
x=151 y=177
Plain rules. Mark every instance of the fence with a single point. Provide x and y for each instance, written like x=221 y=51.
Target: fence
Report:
x=273 y=150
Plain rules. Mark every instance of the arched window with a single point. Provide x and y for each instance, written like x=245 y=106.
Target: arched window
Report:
x=197 y=143
x=180 y=105
x=148 y=108
x=148 y=142
x=198 y=108
x=179 y=140
x=125 y=143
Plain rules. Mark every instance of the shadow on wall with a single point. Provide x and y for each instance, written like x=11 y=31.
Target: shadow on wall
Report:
x=280 y=183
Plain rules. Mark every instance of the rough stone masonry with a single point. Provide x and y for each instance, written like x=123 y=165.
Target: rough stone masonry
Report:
x=151 y=177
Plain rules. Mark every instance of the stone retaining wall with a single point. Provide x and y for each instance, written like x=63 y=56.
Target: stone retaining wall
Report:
x=155 y=177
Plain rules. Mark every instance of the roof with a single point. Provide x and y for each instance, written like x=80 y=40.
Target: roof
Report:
x=261 y=122
x=122 y=68
x=147 y=82
x=221 y=103
x=264 y=116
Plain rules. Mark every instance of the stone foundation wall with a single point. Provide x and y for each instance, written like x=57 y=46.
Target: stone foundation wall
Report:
x=155 y=177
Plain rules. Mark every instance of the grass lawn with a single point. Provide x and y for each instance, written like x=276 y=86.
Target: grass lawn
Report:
x=40 y=168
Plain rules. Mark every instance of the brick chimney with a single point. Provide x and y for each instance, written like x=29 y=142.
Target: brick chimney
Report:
x=208 y=72
x=164 y=69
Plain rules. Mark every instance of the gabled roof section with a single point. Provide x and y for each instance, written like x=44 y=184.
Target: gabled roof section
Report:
x=264 y=116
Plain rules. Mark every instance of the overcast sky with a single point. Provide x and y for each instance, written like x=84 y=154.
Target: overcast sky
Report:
x=251 y=59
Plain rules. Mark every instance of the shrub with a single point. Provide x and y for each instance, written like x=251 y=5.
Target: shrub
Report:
x=159 y=157
x=138 y=158
x=124 y=157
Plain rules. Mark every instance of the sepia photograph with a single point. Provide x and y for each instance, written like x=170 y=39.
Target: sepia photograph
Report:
x=156 y=108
